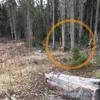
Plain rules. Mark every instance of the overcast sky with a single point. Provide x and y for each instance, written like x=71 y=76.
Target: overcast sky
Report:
x=45 y=1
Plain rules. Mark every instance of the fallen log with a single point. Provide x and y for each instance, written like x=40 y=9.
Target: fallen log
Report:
x=76 y=87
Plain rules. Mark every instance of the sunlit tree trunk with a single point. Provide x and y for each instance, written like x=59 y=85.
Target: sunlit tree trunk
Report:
x=63 y=25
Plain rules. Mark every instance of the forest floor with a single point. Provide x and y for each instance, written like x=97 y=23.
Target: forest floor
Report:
x=22 y=72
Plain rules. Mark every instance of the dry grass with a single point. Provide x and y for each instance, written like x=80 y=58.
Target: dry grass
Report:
x=17 y=66
x=21 y=69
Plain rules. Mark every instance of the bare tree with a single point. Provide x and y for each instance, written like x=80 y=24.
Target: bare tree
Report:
x=12 y=17
x=29 y=31
x=28 y=24
x=53 y=45
x=63 y=25
x=72 y=24
x=91 y=19
x=97 y=17
x=81 y=13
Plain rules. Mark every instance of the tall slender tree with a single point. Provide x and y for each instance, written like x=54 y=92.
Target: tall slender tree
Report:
x=12 y=17
x=81 y=13
x=63 y=25
x=26 y=6
x=55 y=4
x=53 y=45
x=97 y=18
x=72 y=24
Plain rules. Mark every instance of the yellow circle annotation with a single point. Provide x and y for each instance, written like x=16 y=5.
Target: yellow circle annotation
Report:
x=91 y=53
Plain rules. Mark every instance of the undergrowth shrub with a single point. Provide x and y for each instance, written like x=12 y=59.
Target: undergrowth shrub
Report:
x=80 y=60
x=76 y=53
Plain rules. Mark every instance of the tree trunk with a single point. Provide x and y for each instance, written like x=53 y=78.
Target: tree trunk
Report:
x=78 y=88
x=63 y=25
x=91 y=20
x=97 y=17
x=29 y=28
x=72 y=24
x=14 y=22
x=10 y=21
x=81 y=8
x=12 y=18
x=53 y=45
x=42 y=19
x=49 y=10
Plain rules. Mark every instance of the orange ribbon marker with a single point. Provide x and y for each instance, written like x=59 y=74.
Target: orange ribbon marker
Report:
x=91 y=53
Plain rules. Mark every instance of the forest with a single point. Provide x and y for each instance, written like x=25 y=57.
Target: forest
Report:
x=42 y=36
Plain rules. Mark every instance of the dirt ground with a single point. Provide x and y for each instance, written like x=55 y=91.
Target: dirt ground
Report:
x=22 y=72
